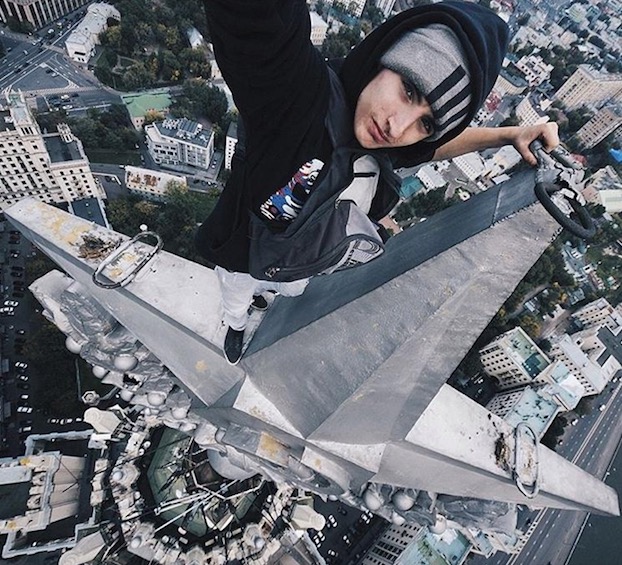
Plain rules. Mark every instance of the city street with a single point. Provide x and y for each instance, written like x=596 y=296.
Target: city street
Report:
x=15 y=328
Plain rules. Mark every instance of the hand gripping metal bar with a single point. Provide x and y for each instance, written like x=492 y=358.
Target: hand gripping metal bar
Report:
x=550 y=183
x=137 y=266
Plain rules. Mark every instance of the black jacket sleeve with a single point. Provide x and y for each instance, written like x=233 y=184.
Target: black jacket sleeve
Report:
x=263 y=50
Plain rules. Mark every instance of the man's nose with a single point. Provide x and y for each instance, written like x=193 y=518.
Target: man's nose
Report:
x=399 y=122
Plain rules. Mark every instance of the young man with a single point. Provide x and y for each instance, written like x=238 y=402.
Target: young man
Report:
x=412 y=87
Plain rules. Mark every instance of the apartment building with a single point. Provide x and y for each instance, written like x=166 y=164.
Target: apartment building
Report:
x=597 y=314
x=587 y=86
x=38 y=13
x=230 y=142
x=150 y=184
x=527 y=406
x=51 y=167
x=584 y=367
x=390 y=546
x=81 y=42
x=319 y=28
x=510 y=84
x=513 y=359
x=385 y=6
x=531 y=110
x=534 y=69
x=605 y=121
x=179 y=141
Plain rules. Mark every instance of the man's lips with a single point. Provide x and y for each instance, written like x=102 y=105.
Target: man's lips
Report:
x=377 y=134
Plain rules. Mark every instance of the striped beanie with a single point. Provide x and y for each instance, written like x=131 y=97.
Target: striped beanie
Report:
x=432 y=59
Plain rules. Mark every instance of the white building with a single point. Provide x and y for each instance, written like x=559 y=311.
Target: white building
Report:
x=52 y=167
x=513 y=359
x=587 y=371
x=534 y=69
x=531 y=110
x=587 y=86
x=527 y=406
x=230 y=142
x=180 y=141
x=195 y=38
x=150 y=184
x=391 y=544
x=430 y=177
x=385 y=6
x=605 y=187
x=319 y=28
x=82 y=40
x=605 y=121
x=510 y=84
x=38 y=12
x=471 y=164
x=558 y=384
x=528 y=36
x=597 y=314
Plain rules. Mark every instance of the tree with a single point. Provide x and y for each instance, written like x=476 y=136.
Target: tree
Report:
x=177 y=221
x=531 y=325
x=126 y=215
x=200 y=99
x=137 y=76
x=337 y=45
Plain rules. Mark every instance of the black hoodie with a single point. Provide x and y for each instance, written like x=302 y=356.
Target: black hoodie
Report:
x=280 y=86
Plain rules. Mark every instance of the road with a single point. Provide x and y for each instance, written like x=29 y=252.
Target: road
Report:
x=15 y=329
x=591 y=445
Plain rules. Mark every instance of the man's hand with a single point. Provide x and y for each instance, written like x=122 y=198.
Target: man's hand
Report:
x=523 y=136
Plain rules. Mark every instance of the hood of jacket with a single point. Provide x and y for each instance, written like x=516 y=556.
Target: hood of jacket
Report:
x=484 y=37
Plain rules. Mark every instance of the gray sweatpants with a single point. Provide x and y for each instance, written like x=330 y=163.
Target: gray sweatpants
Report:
x=238 y=289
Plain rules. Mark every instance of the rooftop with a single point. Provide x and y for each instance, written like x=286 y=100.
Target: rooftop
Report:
x=6 y=121
x=60 y=151
x=138 y=104
x=184 y=129
x=89 y=209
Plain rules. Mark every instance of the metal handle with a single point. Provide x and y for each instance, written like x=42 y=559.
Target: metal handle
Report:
x=526 y=469
x=548 y=185
x=114 y=256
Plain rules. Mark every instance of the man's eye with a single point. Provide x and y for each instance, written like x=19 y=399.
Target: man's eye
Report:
x=428 y=125
x=409 y=90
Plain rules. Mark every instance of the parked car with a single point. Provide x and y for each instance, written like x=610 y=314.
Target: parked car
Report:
x=24 y=409
x=11 y=303
x=25 y=429
x=52 y=420
x=21 y=332
x=22 y=377
x=21 y=365
x=24 y=397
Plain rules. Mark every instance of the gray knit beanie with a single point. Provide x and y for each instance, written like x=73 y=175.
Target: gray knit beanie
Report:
x=432 y=59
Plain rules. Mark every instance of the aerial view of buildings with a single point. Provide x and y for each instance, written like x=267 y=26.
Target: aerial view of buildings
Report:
x=403 y=421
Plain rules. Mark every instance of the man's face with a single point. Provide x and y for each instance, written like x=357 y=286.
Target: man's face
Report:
x=390 y=112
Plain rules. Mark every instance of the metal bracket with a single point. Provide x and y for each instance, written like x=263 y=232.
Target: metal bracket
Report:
x=526 y=464
x=558 y=184
x=134 y=268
